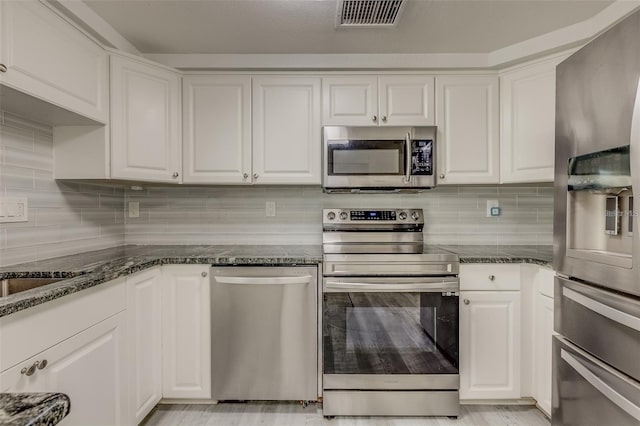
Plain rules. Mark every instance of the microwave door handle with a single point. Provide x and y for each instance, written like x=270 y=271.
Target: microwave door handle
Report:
x=407 y=150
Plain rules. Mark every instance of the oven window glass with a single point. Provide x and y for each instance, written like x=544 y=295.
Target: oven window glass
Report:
x=390 y=333
x=366 y=157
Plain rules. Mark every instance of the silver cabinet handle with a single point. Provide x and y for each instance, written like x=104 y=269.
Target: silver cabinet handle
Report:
x=204 y=274
x=441 y=176
x=255 y=176
x=42 y=364
x=175 y=175
x=384 y=118
x=492 y=277
x=245 y=176
x=466 y=301
x=374 y=118
x=3 y=68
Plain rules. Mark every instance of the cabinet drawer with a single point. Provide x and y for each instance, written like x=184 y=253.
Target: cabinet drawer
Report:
x=33 y=330
x=489 y=277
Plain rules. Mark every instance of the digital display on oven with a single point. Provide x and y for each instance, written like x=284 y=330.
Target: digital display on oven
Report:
x=373 y=215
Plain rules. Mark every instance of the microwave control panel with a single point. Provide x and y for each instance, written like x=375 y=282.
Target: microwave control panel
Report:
x=421 y=157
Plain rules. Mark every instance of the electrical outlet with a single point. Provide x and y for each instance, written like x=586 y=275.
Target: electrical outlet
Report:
x=14 y=210
x=493 y=208
x=271 y=208
x=134 y=209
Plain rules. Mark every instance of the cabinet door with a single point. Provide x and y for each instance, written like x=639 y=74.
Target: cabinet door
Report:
x=186 y=332
x=543 y=351
x=350 y=101
x=144 y=342
x=489 y=344
x=48 y=58
x=89 y=367
x=217 y=129
x=286 y=130
x=528 y=123
x=407 y=100
x=467 y=117
x=145 y=121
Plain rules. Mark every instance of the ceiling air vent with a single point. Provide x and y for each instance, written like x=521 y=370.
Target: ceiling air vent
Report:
x=369 y=13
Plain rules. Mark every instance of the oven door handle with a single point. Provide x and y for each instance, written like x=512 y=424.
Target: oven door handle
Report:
x=435 y=286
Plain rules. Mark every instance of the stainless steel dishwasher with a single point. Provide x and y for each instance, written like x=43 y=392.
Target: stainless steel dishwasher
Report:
x=264 y=333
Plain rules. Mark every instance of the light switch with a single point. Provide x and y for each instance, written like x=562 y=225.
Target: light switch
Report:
x=493 y=208
x=271 y=208
x=14 y=210
x=134 y=209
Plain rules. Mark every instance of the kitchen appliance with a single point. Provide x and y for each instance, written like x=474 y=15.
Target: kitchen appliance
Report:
x=378 y=159
x=389 y=316
x=596 y=368
x=264 y=343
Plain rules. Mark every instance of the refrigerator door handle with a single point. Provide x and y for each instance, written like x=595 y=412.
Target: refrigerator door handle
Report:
x=602 y=309
x=618 y=399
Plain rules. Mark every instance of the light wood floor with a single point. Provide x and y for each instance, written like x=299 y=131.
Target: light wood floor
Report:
x=292 y=414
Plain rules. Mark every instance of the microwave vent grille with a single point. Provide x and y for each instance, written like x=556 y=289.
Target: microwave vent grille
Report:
x=369 y=13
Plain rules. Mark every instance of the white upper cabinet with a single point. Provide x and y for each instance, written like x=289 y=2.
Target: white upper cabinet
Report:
x=528 y=96
x=393 y=100
x=350 y=101
x=145 y=121
x=467 y=116
x=46 y=57
x=286 y=130
x=406 y=100
x=216 y=129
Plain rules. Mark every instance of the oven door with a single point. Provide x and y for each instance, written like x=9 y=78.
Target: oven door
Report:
x=390 y=333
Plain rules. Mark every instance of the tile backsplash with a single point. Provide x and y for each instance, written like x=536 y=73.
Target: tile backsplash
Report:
x=64 y=217
x=68 y=217
x=230 y=215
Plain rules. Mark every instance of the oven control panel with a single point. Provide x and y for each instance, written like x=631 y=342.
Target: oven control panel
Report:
x=373 y=215
x=344 y=216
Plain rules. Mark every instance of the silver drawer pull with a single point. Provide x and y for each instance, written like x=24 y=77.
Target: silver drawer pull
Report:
x=606 y=390
x=492 y=277
x=602 y=309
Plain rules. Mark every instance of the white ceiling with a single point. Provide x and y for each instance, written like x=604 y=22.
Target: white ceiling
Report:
x=308 y=26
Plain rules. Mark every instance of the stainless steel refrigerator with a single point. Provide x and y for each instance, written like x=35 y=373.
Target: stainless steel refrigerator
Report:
x=596 y=357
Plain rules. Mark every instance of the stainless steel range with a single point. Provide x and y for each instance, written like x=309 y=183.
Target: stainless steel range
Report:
x=390 y=316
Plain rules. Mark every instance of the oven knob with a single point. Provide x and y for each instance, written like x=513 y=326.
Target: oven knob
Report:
x=344 y=215
x=331 y=215
x=415 y=215
x=402 y=215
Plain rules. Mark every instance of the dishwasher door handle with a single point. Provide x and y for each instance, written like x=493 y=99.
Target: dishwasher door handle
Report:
x=302 y=279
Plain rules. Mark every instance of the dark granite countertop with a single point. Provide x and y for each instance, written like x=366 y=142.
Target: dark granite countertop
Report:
x=85 y=270
x=539 y=255
x=33 y=409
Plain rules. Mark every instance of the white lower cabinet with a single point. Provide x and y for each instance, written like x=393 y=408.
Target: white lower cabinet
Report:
x=144 y=343
x=489 y=344
x=543 y=335
x=89 y=367
x=186 y=332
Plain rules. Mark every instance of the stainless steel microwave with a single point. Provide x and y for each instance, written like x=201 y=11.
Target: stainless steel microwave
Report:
x=378 y=159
